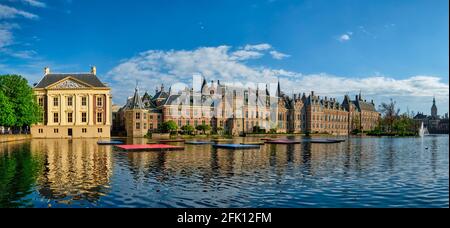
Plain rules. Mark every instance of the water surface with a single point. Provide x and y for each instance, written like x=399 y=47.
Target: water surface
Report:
x=361 y=172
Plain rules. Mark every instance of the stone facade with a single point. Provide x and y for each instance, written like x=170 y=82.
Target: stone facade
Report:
x=237 y=111
x=74 y=106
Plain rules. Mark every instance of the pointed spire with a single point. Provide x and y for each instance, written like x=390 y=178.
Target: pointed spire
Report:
x=136 y=100
x=278 y=88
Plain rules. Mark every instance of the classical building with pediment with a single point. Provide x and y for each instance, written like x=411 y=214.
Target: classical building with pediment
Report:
x=75 y=105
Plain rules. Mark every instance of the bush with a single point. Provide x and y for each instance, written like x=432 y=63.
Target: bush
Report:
x=187 y=129
x=168 y=127
x=258 y=130
x=273 y=131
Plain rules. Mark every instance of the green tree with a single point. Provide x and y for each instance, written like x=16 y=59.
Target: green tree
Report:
x=187 y=129
x=7 y=117
x=168 y=127
x=390 y=113
x=204 y=128
x=403 y=125
x=20 y=95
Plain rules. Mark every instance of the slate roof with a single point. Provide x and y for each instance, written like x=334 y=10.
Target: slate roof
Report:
x=87 y=78
x=365 y=106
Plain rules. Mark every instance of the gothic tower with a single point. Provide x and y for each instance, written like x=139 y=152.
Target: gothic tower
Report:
x=434 y=109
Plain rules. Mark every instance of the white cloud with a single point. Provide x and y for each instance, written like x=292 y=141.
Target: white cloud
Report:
x=154 y=67
x=278 y=55
x=35 y=3
x=345 y=37
x=6 y=37
x=6 y=34
x=243 y=55
x=7 y=12
x=24 y=54
x=257 y=47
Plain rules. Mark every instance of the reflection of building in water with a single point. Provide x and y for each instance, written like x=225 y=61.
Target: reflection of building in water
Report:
x=77 y=169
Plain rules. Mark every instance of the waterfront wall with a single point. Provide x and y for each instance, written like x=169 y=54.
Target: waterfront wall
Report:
x=10 y=138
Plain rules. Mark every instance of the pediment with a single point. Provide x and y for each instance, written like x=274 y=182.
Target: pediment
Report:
x=69 y=83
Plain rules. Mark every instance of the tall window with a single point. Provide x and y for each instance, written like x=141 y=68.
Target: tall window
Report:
x=69 y=101
x=83 y=117
x=246 y=97
x=196 y=123
x=69 y=117
x=99 y=102
x=83 y=101
x=41 y=101
x=138 y=126
x=55 y=118
x=138 y=116
x=99 y=117
x=55 y=101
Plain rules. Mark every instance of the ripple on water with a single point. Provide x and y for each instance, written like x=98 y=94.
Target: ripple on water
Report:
x=362 y=172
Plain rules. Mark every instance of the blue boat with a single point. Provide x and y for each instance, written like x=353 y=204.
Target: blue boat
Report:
x=112 y=142
x=236 y=146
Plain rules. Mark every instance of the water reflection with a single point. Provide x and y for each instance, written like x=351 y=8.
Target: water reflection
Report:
x=359 y=172
x=74 y=169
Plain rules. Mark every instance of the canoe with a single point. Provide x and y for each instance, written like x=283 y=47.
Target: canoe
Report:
x=222 y=140
x=147 y=147
x=199 y=142
x=112 y=142
x=171 y=140
x=235 y=146
x=252 y=143
x=323 y=140
x=283 y=141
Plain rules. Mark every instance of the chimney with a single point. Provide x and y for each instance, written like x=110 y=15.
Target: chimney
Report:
x=312 y=93
x=326 y=98
x=93 y=70
x=295 y=96
x=46 y=70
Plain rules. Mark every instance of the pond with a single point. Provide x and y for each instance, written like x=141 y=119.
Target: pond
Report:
x=360 y=172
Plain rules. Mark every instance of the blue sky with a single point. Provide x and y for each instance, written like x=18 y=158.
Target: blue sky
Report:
x=389 y=49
